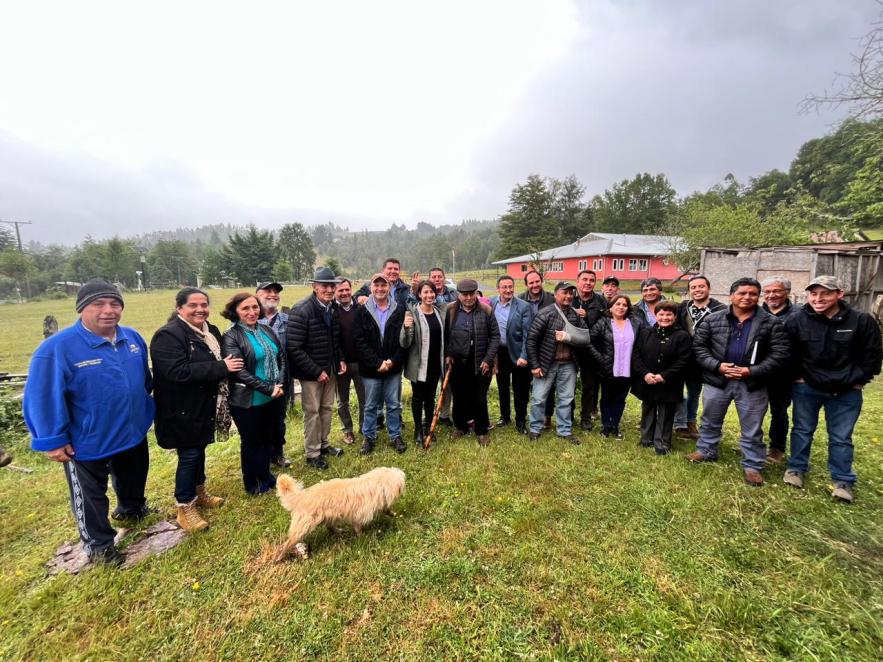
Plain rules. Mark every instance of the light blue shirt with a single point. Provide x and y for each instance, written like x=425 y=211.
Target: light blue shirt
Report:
x=501 y=312
x=382 y=317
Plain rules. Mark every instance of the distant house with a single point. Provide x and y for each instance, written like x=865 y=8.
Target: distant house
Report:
x=626 y=256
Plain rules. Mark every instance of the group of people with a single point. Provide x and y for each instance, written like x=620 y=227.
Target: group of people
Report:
x=91 y=396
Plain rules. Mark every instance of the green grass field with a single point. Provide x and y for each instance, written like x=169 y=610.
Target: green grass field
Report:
x=545 y=551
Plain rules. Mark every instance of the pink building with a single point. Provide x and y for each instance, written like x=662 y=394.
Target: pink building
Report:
x=626 y=256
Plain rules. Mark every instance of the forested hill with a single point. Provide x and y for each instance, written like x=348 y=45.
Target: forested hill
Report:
x=468 y=245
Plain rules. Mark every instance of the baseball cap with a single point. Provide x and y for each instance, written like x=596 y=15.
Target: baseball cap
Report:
x=268 y=285
x=564 y=285
x=828 y=282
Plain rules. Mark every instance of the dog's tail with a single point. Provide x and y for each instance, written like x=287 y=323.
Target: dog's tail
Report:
x=285 y=485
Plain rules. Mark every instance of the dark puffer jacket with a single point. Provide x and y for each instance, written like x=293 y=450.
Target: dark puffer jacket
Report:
x=244 y=383
x=541 y=339
x=372 y=349
x=834 y=354
x=312 y=347
x=185 y=385
x=766 y=353
x=663 y=352
x=486 y=333
x=601 y=348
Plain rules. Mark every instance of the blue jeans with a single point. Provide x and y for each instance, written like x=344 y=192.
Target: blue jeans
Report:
x=378 y=391
x=751 y=407
x=841 y=413
x=561 y=375
x=689 y=409
x=190 y=473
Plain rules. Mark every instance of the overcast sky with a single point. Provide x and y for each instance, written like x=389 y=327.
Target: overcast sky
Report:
x=119 y=118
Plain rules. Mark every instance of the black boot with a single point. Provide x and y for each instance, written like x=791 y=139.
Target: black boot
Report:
x=418 y=434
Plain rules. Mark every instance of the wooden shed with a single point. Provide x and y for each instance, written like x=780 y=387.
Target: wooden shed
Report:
x=856 y=264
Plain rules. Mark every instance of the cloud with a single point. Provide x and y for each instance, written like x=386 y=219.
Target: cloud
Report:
x=122 y=119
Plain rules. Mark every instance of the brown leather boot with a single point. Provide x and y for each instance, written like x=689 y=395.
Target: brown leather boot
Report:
x=189 y=518
x=693 y=430
x=206 y=500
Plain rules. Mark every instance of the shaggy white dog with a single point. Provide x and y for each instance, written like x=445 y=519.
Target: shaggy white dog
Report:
x=356 y=501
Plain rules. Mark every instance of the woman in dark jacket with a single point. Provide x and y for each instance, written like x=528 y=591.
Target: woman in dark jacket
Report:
x=659 y=364
x=613 y=338
x=256 y=391
x=188 y=373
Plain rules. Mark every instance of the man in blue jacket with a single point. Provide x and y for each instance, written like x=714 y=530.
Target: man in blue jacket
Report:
x=87 y=405
x=837 y=350
x=513 y=318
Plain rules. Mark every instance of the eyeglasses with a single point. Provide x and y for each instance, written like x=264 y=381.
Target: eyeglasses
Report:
x=740 y=327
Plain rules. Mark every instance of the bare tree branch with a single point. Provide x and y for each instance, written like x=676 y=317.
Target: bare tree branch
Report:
x=862 y=90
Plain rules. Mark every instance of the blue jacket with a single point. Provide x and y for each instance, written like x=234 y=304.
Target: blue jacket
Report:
x=85 y=392
x=517 y=327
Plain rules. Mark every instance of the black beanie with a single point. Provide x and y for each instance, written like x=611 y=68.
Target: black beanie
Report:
x=96 y=289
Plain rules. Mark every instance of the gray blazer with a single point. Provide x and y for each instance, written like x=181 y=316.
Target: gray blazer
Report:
x=416 y=342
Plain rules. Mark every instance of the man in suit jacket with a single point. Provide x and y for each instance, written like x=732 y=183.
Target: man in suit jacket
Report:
x=513 y=318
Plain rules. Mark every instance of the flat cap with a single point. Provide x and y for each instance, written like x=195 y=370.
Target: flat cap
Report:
x=467 y=285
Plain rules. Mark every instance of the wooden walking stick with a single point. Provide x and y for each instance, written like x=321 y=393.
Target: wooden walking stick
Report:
x=427 y=442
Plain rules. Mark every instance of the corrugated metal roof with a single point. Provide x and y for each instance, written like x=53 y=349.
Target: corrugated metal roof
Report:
x=604 y=243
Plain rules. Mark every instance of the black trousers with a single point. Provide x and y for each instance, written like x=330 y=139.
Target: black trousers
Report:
x=470 y=397
x=257 y=429
x=591 y=382
x=423 y=400
x=657 y=422
x=519 y=378
x=780 y=401
x=87 y=483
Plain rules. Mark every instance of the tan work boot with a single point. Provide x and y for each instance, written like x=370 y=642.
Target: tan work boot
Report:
x=693 y=430
x=189 y=518
x=206 y=500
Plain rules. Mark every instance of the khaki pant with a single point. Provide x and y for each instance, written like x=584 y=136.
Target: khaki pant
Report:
x=318 y=404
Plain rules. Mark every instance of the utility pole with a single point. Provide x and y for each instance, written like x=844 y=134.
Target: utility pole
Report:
x=17 y=231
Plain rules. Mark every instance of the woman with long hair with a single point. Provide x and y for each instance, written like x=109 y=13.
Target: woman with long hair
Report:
x=190 y=389
x=423 y=336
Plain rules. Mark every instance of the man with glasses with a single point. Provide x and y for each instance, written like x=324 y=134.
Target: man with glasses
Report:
x=268 y=294
x=739 y=350
x=691 y=312
x=776 y=292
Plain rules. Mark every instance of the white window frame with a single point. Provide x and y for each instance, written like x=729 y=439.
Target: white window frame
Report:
x=633 y=264
x=643 y=264
x=598 y=264
x=582 y=265
x=555 y=267
x=618 y=264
